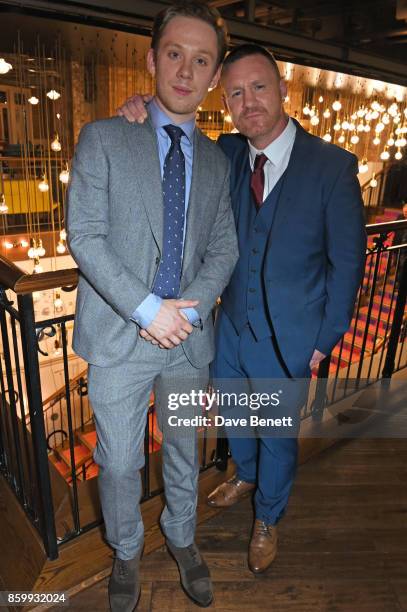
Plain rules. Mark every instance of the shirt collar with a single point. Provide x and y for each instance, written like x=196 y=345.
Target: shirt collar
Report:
x=276 y=150
x=159 y=119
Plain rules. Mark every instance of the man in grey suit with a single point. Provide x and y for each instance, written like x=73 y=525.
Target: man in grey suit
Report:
x=150 y=226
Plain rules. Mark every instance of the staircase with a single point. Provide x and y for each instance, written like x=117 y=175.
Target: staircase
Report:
x=85 y=439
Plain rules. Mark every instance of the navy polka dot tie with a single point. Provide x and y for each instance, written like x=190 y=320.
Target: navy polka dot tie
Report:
x=167 y=282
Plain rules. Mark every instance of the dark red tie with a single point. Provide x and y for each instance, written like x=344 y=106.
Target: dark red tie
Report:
x=257 y=179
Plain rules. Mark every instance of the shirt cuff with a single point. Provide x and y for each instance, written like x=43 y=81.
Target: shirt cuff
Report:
x=146 y=312
x=193 y=316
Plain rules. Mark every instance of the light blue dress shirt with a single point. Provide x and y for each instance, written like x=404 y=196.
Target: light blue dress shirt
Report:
x=148 y=309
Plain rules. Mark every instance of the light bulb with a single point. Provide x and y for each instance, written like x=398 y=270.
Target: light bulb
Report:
x=24 y=243
x=367 y=127
x=373 y=182
x=306 y=110
x=58 y=303
x=363 y=167
x=37 y=266
x=64 y=175
x=62 y=234
x=375 y=105
x=337 y=106
x=379 y=127
x=327 y=113
x=228 y=119
x=8 y=245
x=376 y=141
x=320 y=99
x=33 y=100
x=315 y=120
x=341 y=138
x=374 y=114
x=5 y=67
x=55 y=144
x=3 y=205
x=393 y=109
x=327 y=137
x=32 y=253
x=337 y=127
x=345 y=125
x=400 y=142
x=40 y=248
x=351 y=127
x=396 y=119
x=43 y=185
x=390 y=141
x=312 y=112
x=354 y=139
x=53 y=94
x=384 y=155
x=399 y=154
x=360 y=127
x=361 y=112
x=386 y=119
x=61 y=248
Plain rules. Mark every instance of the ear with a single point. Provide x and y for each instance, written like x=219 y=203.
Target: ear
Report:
x=283 y=88
x=150 y=60
x=215 y=79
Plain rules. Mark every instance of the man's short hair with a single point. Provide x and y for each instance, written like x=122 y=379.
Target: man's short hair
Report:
x=247 y=50
x=198 y=10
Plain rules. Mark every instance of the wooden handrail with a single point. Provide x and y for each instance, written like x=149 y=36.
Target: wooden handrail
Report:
x=12 y=277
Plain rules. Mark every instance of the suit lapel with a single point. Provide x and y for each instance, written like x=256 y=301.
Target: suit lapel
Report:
x=202 y=174
x=294 y=175
x=142 y=141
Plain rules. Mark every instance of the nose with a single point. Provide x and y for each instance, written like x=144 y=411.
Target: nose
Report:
x=249 y=97
x=185 y=69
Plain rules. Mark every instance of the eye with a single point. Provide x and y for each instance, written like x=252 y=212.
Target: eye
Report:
x=201 y=61
x=236 y=93
x=259 y=86
x=173 y=54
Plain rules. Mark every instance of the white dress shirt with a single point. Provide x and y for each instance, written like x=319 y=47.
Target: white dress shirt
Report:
x=278 y=154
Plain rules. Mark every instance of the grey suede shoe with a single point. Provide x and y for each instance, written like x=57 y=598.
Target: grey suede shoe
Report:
x=194 y=574
x=124 y=585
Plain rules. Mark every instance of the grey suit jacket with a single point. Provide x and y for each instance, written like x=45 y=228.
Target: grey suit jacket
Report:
x=114 y=222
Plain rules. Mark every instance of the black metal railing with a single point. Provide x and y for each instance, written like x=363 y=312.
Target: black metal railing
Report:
x=36 y=434
x=385 y=188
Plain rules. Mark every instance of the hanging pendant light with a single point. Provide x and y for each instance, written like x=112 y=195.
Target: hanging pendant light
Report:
x=3 y=205
x=55 y=144
x=5 y=67
x=43 y=184
x=53 y=94
x=64 y=175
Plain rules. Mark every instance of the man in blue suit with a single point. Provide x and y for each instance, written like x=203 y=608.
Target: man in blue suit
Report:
x=299 y=216
x=298 y=210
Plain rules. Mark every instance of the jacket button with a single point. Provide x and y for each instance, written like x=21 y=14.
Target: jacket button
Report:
x=255 y=251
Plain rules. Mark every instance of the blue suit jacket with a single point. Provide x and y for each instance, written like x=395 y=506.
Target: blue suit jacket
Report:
x=316 y=247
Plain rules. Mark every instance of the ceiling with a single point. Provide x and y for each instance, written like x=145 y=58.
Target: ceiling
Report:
x=374 y=26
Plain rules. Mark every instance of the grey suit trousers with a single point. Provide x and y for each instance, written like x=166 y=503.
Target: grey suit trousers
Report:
x=119 y=396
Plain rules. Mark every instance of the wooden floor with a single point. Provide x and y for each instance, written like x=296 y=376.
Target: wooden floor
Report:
x=343 y=544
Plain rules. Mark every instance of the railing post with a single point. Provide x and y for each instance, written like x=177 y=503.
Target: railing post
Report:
x=33 y=385
x=388 y=368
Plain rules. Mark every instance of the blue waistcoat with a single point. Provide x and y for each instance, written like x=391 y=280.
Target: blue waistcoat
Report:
x=244 y=298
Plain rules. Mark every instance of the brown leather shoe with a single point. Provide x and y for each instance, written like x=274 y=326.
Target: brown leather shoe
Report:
x=229 y=492
x=263 y=546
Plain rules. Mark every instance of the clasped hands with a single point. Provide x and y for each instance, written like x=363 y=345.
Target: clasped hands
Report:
x=170 y=326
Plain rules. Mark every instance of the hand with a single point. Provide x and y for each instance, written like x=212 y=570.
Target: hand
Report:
x=316 y=359
x=171 y=326
x=134 y=108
